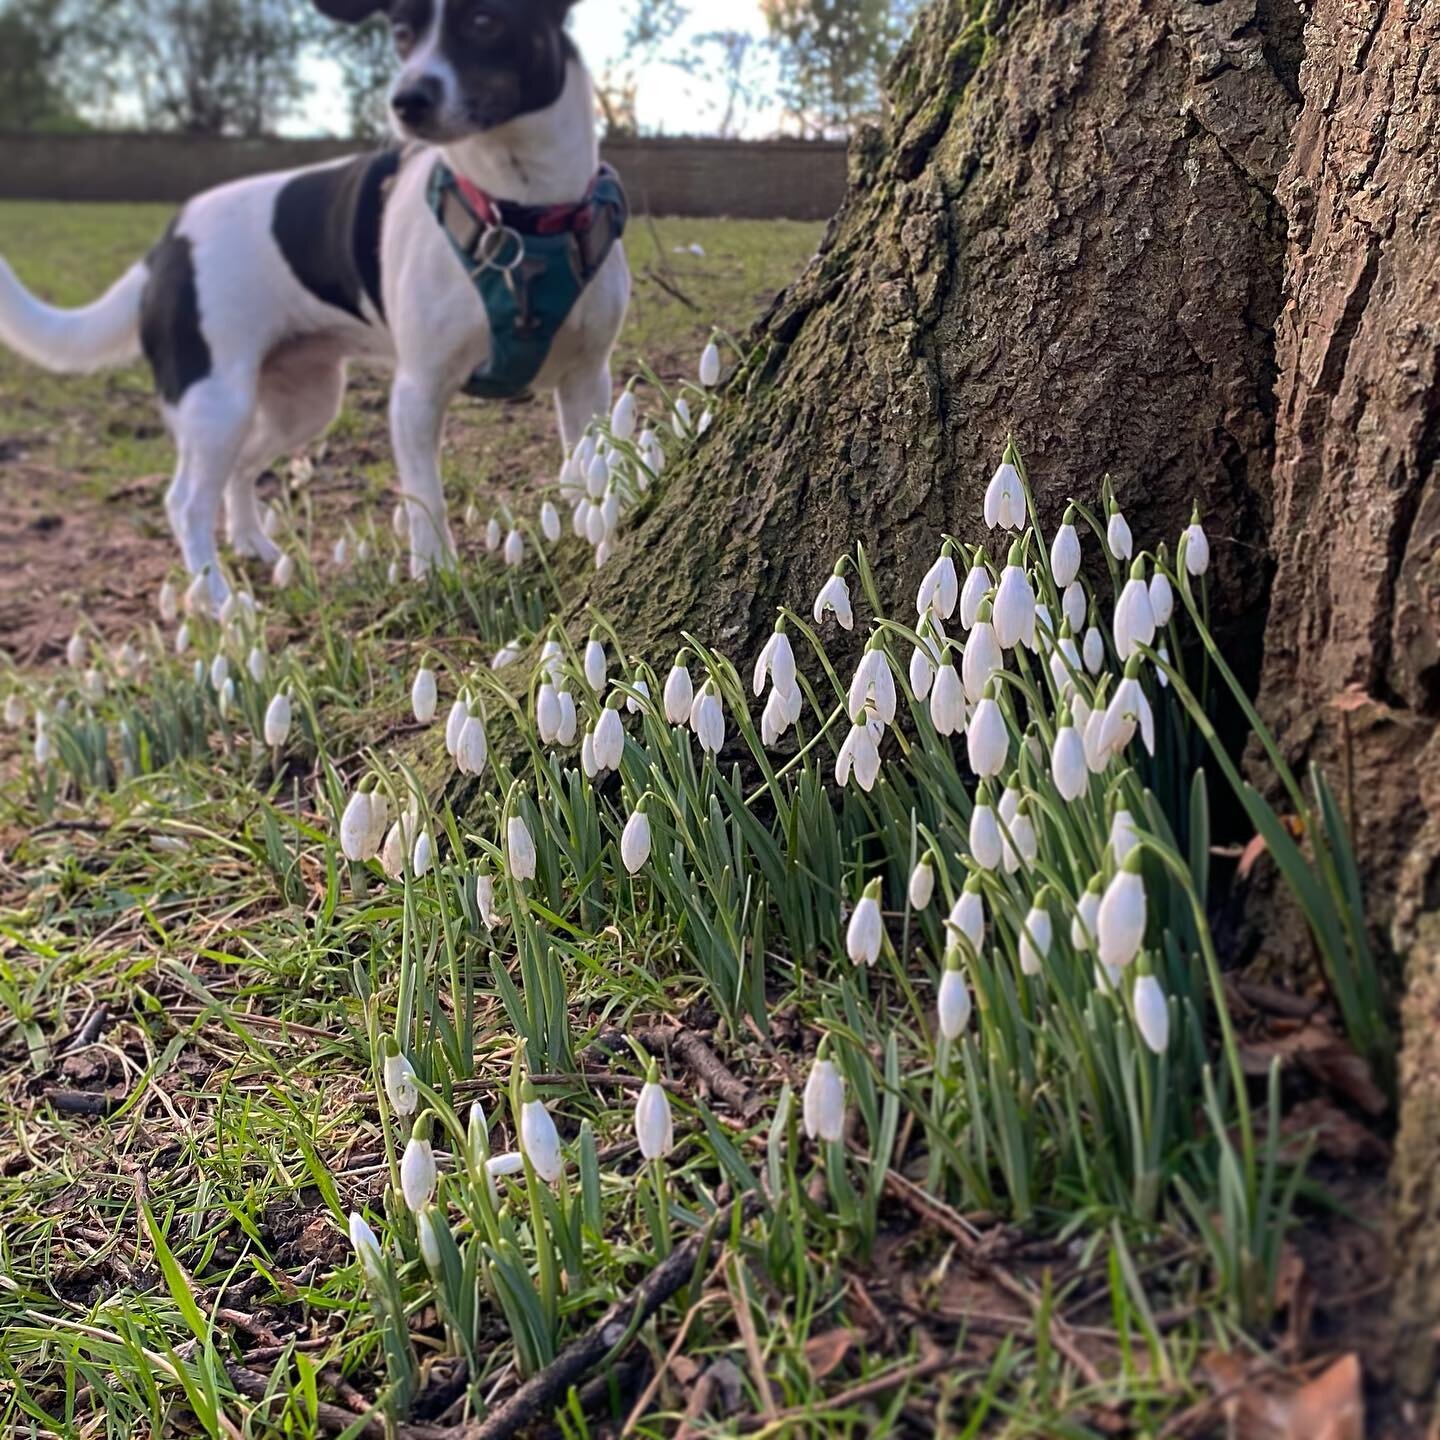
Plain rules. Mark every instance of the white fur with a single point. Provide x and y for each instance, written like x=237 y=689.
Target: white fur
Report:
x=279 y=354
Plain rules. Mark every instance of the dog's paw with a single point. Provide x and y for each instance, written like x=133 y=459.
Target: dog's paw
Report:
x=430 y=552
x=254 y=545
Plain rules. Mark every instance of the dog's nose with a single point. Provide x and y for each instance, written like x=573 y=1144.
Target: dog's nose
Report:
x=417 y=102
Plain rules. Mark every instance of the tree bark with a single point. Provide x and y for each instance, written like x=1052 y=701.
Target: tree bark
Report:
x=1194 y=245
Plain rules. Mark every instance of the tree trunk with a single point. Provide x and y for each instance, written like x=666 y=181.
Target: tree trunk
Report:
x=1194 y=245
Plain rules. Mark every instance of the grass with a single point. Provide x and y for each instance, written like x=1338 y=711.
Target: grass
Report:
x=1014 y=1235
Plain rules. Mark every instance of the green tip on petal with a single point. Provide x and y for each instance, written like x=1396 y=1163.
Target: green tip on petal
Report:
x=424 y=1125
x=1066 y=633
x=953 y=958
x=389 y=1048
x=652 y=1073
x=974 y=884
x=527 y=1091
x=1016 y=554
x=1195 y=514
x=1133 y=862
x=1069 y=517
x=1096 y=886
x=823 y=1048
x=872 y=890
x=986 y=611
x=989 y=691
x=1132 y=668
x=1137 y=570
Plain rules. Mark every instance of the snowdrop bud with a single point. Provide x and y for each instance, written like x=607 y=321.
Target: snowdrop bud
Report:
x=284 y=572
x=824 y=1107
x=1065 y=551
x=565 y=735
x=197 y=594
x=1120 y=923
x=1022 y=846
x=654 y=1124
x=340 y=553
x=539 y=1138
x=947 y=700
x=422 y=854
x=547 y=713
x=1093 y=650
x=455 y=722
x=226 y=699
x=182 y=638
x=399 y=1077
x=922 y=669
x=636 y=703
x=358 y=840
x=587 y=756
x=1005 y=499
x=1195 y=547
x=197 y=671
x=519 y=849
x=680 y=421
x=953 y=1000
x=367 y=1248
x=983 y=656
x=1134 y=616
x=493 y=534
x=595 y=664
x=635 y=842
x=423 y=695
x=985 y=843
x=987 y=738
x=277 y=720
x=1036 y=936
x=472 y=747
x=169 y=602
x=967 y=914
x=679 y=694
x=1152 y=1014
x=710 y=365
x=399 y=521
x=92 y=683
x=428 y=1240
x=75 y=651
x=15 y=710
x=622 y=417
x=1074 y=606
x=1162 y=599
x=512 y=1162
x=609 y=740
x=219 y=670
x=603 y=552
x=976 y=588
x=514 y=548
x=255 y=663
x=922 y=883
x=1067 y=761
x=1124 y=835
x=1097 y=757
x=866 y=930
x=1117 y=536
x=834 y=597
x=507 y=654
x=1082 y=927
x=1014 y=607
x=597 y=477
x=550 y=522
x=363 y=551
x=417 y=1167
x=44 y=743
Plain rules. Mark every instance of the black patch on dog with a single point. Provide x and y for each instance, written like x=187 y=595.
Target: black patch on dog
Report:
x=170 y=318
x=509 y=56
x=327 y=225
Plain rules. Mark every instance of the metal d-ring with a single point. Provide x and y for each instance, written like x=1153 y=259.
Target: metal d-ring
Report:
x=491 y=251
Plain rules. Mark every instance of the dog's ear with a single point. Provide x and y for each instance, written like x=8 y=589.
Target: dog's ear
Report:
x=351 y=12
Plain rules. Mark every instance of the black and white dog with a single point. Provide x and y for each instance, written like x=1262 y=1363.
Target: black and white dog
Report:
x=262 y=291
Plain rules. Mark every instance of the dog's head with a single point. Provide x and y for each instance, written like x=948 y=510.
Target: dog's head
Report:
x=467 y=66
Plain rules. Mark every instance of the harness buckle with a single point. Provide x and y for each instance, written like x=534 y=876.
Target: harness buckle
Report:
x=498 y=248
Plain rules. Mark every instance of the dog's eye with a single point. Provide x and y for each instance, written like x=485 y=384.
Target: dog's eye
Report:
x=485 y=26
x=403 y=35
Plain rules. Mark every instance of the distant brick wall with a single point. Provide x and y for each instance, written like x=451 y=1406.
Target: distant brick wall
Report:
x=760 y=180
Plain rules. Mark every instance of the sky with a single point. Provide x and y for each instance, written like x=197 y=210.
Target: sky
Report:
x=670 y=100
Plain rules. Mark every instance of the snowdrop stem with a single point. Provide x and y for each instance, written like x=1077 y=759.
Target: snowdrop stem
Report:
x=1098 y=525
x=659 y=1180
x=375 y=1045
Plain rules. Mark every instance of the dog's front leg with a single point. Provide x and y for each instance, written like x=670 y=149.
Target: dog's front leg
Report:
x=584 y=394
x=417 y=412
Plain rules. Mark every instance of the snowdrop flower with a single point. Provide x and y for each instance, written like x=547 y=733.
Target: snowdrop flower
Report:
x=219 y=670
x=168 y=602
x=426 y=1237
x=455 y=722
x=399 y=1075
x=636 y=703
x=679 y=693
x=1067 y=761
x=1117 y=535
x=1162 y=598
x=565 y=735
x=1093 y=650
x=182 y=638
x=507 y=654
x=550 y=522
x=340 y=553
x=255 y=663
x=519 y=849
x=824 y=1107
x=226 y=699
x=399 y=521
x=680 y=420
x=976 y=588
x=947 y=700
x=967 y=914
x=1128 y=708
x=922 y=883
x=1036 y=935
x=595 y=669
x=284 y=571
x=587 y=756
x=635 y=842
x=866 y=930
x=15 y=710
x=92 y=683
x=873 y=685
x=987 y=738
x=1013 y=614
x=1005 y=498
x=603 y=551
x=622 y=417
x=985 y=843
x=775 y=663
x=1152 y=1013
x=512 y=1162
x=983 y=656
x=654 y=1123
x=417 y=1167
x=493 y=534
x=514 y=551
x=707 y=719
x=392 y=573
x=44 y=742
x=952 y=1003
x=424 y=695
x=398 y=849
x=277 y=719
x=710 y=365
x=1097 y=757
x=197 y=594
x=367 y=1248
x=1134 y=616
x=1074 y=606
x=547 y=713
x=775 y=718
x=939 y=591
x=834 y=596
x=1082 y=927
x=1195 y=547
x=363 y=551
x=422 y=854
x=924 y=658
x=552 y=661
x=610 y=512
x=472 y=747
x=860 y=756
x=597 y=478
x=539 y=1139
x=1065 y=663
x=1124 y=835
x=609 y=740
x=1065 y=551
x=1120 y=922
x=358 y=838
x=1021 y=846
x=485 y=900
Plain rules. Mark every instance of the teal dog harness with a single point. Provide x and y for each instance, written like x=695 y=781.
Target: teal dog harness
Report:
x=529 y=264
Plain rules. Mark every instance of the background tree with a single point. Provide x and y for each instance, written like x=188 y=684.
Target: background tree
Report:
x=730 y=55
x=35 y=37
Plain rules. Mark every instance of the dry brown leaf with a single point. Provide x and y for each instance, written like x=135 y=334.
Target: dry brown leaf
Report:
x=1326 y=1055
x=1256 y=847
x=826 y=1352
x=1331 y=1406
x=1337 y=1135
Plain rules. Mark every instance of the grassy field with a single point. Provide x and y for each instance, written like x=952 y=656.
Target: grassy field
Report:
x=228 y=1026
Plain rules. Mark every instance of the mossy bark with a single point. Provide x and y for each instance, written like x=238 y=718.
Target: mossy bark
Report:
x=1193 y=245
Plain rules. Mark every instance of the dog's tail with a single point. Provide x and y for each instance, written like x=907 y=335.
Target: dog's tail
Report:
x=92 y=338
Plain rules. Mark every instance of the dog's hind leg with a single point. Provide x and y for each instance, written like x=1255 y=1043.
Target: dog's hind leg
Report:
x=417 y=413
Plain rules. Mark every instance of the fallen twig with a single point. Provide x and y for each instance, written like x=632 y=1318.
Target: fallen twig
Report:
x=81 y=1102
x=670 y=288
x=697 y=1055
